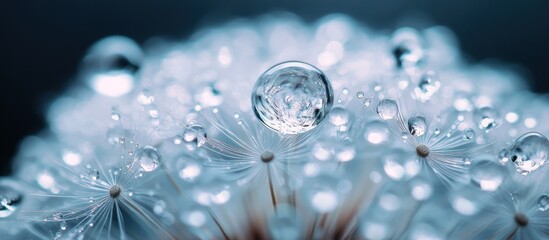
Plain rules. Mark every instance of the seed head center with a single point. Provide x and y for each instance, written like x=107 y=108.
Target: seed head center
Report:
x=267 y=156
x=115 y=191
x=521 y=219
x=422 y=150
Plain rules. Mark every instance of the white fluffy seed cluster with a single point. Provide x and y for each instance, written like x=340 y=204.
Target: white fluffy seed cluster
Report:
x=358 y=134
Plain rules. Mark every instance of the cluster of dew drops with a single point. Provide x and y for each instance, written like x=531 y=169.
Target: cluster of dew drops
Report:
x=290 y=98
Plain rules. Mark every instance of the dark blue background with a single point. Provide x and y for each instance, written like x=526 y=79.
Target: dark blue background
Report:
x=42 y=42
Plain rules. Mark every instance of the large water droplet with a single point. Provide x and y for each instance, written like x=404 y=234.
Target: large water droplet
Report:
x=9 y=201
x=292 y=97
x=427 y=86
x=376 y=132
x=528 y=152
x=195 y=134
x=487 y=118
x=486 y=173
x=110 y=66
x=148 y=157
x=407 y=49
x=417 y=125
x=387 y=109
x=543 y=202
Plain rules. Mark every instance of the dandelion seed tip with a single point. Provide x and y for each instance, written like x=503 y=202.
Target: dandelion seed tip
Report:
x=267 y=156
x=521 y=219
x=422 y=150
x=115 y=191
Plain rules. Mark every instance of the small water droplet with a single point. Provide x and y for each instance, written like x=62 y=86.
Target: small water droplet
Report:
x=145 y=98
x=177 y=140
x=110 y=66
x=427 y=86
x=407 y=49
x=387 y=109
x=195 y=135
x=360 y=95
x=486 y=173
x=57 y=216
x=292 y=97
x=376 y=132
x=543 y=202
x=115 y=114
x=468 y=134
x=528 y=152
x=437 y=131
x=487 y=118
x=339 y=116
x=94 y=174
x=367 y=101
x=9 y=201
x=63 y=225
x=417 y=125
x=148 y=157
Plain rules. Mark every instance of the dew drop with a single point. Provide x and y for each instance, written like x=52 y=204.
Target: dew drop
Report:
x=437 y=131
x=194 y=217
x=177 y=140
x=360 y=95
x=417 y=125
x=115 y=114
x=148 y=157
x=427 y=86
x=487 y=118
x=339 y=116
x=94 y=174
x=376 y=132
x=367 y=102
x=292 y=97
x=324 y=201
x=407 y=49
x=468 y=134
x=9 y=201
x=63 y=225
x=486 y=173
x=190 y=170
x=387 y=109
x=195 y=134
x=528 y=152
x=543 y=202
x=145 y=98
x=111 y=64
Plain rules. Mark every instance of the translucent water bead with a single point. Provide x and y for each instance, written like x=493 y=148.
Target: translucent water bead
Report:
x=9 y=201
x=148 y=158
x=407 y=49
x=487 y=118
x=487 y=173
x=528 y=152
x=292 y=97
x=110 y=66
x=387 y=109
x=417 y=125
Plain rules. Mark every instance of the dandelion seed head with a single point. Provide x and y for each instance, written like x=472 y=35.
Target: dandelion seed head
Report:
x=521 y=219
x=422 y=150
x=267 y=156
x=115 y=191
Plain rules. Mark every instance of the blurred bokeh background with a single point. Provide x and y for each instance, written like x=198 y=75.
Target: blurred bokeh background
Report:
x=42 y=42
